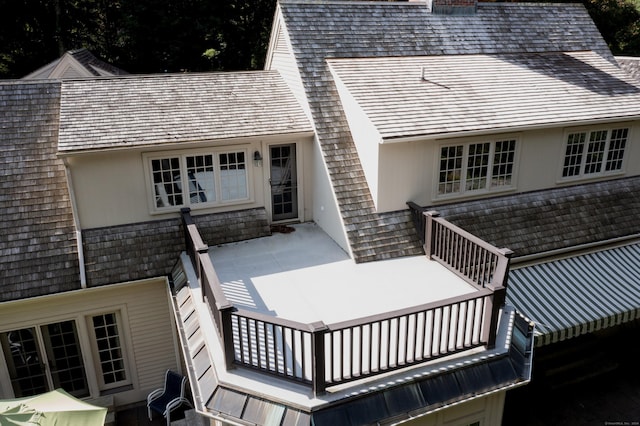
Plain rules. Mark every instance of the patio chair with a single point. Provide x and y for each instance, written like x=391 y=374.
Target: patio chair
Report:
x=169 y=398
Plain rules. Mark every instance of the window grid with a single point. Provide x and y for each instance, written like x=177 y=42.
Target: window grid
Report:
x=573 y=154
x=26 y=371
x=233 y=176
x=68 y=370
x=595 y=151
x=616 y=149
x=604 y=152
x=477 y=166
x=503 y=159
x=166 y=181
x=466 y=168
x=110 y=350
x=206 y=178
x=450 y=169
x=200 y=171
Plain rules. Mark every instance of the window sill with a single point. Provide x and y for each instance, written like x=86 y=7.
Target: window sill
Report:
x=196 y=207
x=473 y=195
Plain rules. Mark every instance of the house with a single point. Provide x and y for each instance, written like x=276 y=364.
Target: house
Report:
x=351 y=236
x=74 y=64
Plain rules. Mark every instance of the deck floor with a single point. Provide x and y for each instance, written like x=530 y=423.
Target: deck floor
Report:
x=305 y=276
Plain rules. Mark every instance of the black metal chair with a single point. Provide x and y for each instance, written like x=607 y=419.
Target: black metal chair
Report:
x=170 y=397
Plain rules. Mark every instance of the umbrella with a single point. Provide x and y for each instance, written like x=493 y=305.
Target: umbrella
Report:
x=55 y=408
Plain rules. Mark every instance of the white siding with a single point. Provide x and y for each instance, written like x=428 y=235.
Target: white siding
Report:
x=146 y=328
x=282 y=59
x=111 y=188
x=409 y=171
x=365 y=136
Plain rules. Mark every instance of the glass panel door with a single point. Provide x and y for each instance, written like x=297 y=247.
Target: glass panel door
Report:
x=65 y=359
x=43 y=358
x=27 y=372
x=284 y=182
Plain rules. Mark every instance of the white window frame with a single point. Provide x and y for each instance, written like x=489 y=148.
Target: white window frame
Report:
x=124 y=347
x=218 y=199
x=488 y=188
x=588 y=132
x=43 y=347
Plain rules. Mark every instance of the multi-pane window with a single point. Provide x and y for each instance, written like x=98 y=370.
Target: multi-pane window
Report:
x=110 y=349
x=200 y=171
x=203 y=178
x=233 y=176
x=473 y=167
x=594 y=152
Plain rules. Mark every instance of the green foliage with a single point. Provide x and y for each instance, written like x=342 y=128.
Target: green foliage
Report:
x=140 y=36
x=150 y=36
x=619 y=24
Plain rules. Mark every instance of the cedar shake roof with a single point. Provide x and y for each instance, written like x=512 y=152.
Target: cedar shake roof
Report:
x=631 y=65
x=94 y=65
x=38 y=251
x=86 y=64
x=150 y=249
x=111 y=113
x=320 y=30
x=463 y=93
x=540 y=221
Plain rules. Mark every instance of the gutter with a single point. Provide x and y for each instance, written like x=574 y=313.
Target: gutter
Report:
x=507 y=129
x=525 y=260
x=76 y=224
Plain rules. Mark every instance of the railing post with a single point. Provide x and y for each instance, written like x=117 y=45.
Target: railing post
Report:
x=497 y=300
x=226 y=326
x=502 y=268
x=428 y=233
x=318 y=331
x=204 y=283
x=185 y=215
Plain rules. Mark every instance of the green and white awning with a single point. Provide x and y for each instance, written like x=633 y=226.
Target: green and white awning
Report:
x=578 y=295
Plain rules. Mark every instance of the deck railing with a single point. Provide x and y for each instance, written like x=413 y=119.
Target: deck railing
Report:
x=324 y=355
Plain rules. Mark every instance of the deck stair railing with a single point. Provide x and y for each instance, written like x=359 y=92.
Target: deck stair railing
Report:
x=322 y=355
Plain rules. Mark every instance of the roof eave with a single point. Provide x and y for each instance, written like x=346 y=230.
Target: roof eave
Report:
x=505 y=129
x=183 y=144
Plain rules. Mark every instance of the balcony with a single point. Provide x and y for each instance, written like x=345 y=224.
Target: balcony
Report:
x=294 y=306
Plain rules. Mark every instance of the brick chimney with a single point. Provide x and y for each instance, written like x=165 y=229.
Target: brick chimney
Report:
x=453 y=7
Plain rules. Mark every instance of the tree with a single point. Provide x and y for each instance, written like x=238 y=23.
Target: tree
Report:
x=140 y=36
x=619 y=24
x=151 y=36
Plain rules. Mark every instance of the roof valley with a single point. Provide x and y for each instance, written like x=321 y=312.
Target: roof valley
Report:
x=372 y=236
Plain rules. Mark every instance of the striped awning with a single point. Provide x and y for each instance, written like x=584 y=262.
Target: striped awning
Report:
x=573 y=296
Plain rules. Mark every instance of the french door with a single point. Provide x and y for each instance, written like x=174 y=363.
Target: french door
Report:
x=284 y=182
x=44 y=358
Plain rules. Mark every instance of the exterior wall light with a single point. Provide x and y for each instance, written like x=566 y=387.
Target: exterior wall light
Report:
x=257 y=159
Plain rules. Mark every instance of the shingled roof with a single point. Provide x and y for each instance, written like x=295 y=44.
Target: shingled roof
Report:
x=38 y=250
x=542 y=221
x=631 y=65
x=486 y=93
x=347 y=29
x=81 y=63
x=175 y=108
